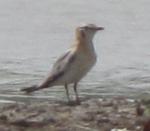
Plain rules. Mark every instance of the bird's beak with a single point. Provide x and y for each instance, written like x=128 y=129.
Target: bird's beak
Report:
x=99 y=28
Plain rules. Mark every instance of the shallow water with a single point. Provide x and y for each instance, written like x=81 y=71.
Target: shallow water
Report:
x=33 y=33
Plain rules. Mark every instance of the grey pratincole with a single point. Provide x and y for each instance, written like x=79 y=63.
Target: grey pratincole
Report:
x=73 y=65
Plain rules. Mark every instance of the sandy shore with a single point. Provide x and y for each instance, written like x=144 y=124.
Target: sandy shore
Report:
x=108 y=114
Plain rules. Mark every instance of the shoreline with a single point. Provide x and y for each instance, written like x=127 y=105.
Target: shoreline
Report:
x=103 y=114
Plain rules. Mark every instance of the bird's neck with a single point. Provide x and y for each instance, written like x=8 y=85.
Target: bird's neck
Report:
x=84 y=44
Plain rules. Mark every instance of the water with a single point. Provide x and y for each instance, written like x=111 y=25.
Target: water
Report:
x=33 y=33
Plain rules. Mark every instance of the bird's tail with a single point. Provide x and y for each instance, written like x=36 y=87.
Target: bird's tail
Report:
x=45 y=84
x=30 y=89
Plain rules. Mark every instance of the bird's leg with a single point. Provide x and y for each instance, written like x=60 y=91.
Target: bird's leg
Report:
x=67 y=92
x=76 y=93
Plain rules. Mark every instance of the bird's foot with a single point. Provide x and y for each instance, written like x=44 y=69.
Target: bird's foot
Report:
x=78 y=102
x=73 y=103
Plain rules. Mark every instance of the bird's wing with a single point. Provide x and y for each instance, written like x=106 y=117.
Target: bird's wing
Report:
x=59 y=69
x=62 y=65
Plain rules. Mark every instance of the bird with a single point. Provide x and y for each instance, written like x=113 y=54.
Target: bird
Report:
x=74 y=64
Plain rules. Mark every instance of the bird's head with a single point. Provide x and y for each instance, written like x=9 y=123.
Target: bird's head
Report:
x=87 y=31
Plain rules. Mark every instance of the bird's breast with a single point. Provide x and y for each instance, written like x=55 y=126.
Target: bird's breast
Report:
x=81 y=66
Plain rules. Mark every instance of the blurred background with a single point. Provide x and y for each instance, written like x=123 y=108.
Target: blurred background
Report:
x=34 y=33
